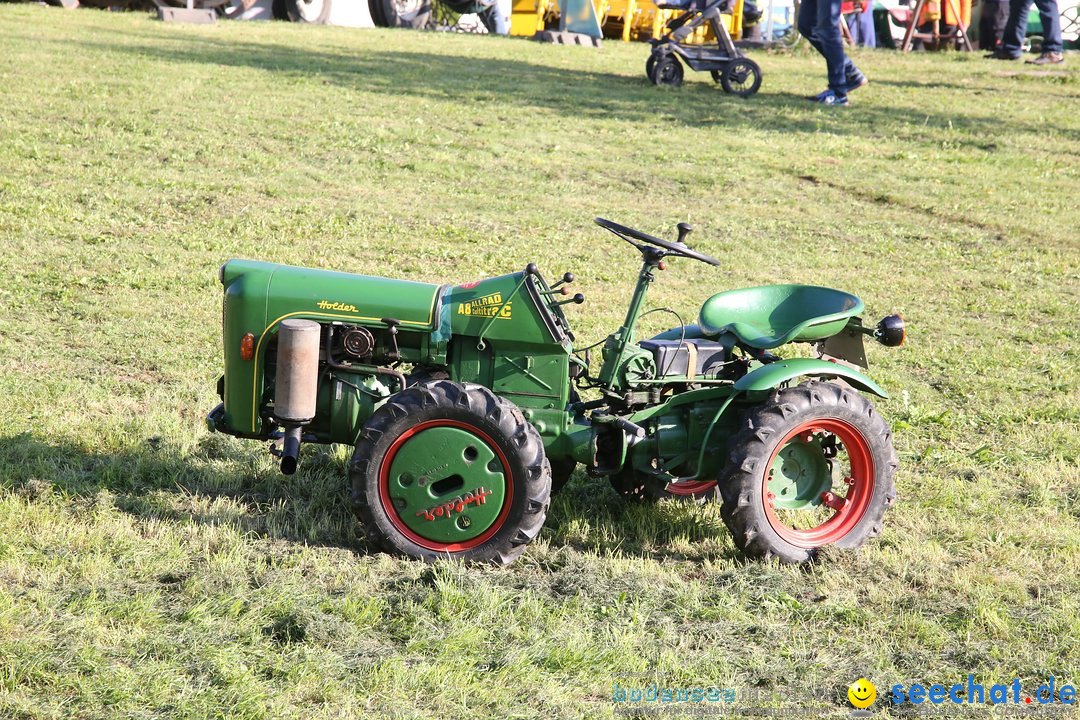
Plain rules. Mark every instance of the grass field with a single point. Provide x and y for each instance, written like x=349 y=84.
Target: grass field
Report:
x=151 y=570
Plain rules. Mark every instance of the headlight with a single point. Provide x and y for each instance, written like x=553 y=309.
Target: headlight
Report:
x=890 y=331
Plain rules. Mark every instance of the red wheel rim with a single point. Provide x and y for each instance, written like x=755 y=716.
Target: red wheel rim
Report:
x=690 y=487
x=392 y=512
x=860 y=486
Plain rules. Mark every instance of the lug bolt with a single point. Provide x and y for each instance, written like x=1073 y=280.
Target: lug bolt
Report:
x=833 y=501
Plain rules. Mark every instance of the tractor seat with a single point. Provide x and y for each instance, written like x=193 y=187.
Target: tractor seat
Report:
x=772 y=315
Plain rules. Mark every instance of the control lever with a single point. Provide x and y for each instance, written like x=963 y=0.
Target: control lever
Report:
x=634 y=431
x=566 y=278
x=684 y=230
x=577 y=300
x=392 y=325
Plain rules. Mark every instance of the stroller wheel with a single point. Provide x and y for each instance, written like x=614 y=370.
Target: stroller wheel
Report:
x=741 y=77
x=649 y=65
x=667 y=71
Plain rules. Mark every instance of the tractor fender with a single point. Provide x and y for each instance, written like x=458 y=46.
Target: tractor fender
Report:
x=769 y=376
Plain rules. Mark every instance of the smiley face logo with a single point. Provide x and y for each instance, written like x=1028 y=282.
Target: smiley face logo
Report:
x=862 y=693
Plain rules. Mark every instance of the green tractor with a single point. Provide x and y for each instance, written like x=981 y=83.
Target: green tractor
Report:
x=462 y=403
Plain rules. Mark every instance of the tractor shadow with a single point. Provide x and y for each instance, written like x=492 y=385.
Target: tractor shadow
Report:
x=487 y=84
x=224 y=482
x=218 y=482
x=589 y=516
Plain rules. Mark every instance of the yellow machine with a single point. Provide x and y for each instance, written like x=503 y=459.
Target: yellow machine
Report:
x=619 y=19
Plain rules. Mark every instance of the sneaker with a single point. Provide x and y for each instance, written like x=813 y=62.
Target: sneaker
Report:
x=856 y=81
x=1000 y=54
x=1048 y=58
x=830 y=97
x=819 y=97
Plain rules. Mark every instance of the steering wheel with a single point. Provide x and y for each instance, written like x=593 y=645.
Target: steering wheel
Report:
x=672 y=248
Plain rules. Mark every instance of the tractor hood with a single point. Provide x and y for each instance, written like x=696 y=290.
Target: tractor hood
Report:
x=287 y=291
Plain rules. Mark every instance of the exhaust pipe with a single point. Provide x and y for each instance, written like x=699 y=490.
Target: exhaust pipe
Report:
x=290 y=450
x=296 y=384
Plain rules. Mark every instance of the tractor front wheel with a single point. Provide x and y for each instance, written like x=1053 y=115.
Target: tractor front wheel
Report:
x=450 y=470
x=812 y=466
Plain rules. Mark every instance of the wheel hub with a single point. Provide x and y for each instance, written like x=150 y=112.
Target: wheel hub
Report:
x=447 y=484
x=800 y=474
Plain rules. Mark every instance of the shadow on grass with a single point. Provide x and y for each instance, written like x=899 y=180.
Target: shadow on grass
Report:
x=572 y=94
x=221 y=482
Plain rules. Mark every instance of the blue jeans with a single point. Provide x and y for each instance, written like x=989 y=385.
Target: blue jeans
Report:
x=819 y=22
x=1012 y=40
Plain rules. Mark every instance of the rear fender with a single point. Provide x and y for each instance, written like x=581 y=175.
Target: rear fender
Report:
x=770 y=376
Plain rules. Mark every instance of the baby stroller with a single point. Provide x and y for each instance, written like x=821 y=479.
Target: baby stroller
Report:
x=736 y=73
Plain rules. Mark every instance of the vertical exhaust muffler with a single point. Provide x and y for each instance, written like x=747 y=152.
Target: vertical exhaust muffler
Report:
x=296 y=384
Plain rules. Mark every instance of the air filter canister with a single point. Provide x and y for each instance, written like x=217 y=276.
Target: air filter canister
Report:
x=296 y=383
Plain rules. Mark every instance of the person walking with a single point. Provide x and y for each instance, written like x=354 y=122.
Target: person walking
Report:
x=819 y=22
x=1012 y=39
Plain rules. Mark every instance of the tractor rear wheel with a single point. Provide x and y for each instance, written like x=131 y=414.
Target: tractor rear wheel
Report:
x=450 y=470
x=812 y=466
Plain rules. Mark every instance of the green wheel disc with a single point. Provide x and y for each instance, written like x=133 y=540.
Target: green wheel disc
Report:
x=800 y=474
x=447 y=482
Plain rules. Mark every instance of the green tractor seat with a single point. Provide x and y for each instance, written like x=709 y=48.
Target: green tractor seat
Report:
x=769 y=316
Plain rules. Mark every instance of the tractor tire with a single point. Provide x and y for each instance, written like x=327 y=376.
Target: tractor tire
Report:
x=633 y=486
x=314 y=12
x=449 y=470
x=424 y=374
x=741 y=77
x=667 y=71
x=782 y=470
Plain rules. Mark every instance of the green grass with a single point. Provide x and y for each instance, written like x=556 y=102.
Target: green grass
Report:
x=149 y=569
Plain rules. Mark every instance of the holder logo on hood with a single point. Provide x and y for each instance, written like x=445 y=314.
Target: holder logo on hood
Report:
x=487 y=306
x=342 y=307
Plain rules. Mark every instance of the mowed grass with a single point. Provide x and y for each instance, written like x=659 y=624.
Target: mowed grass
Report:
x=149 y=569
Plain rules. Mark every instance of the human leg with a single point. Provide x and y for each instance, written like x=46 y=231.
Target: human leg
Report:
x=1012 y=39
